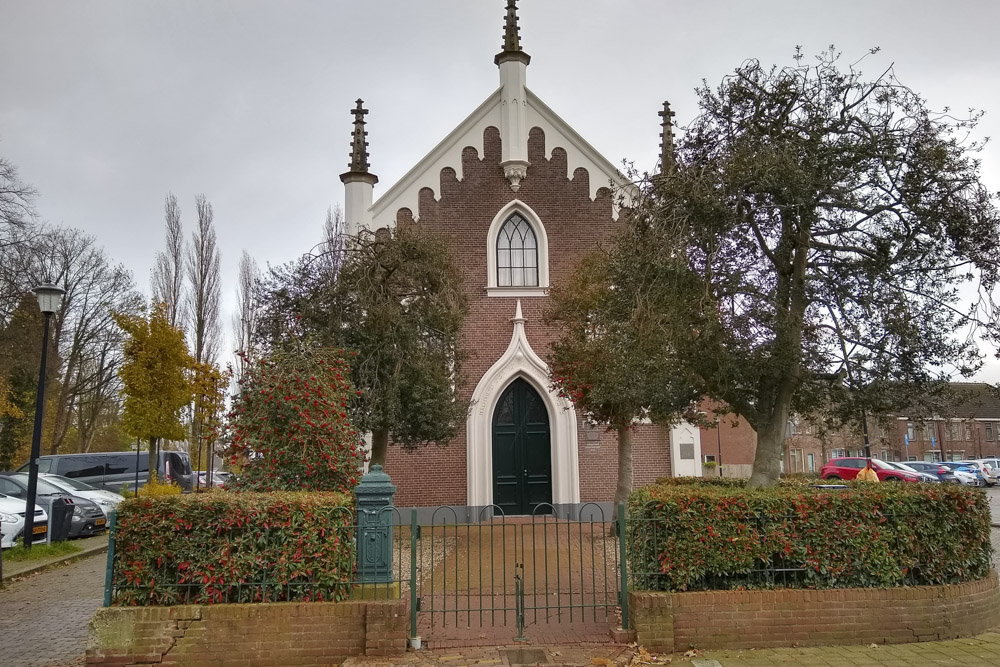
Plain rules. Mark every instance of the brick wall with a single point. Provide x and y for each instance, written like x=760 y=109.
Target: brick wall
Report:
x=574 y=225
x=764 y=619
x=304 y=633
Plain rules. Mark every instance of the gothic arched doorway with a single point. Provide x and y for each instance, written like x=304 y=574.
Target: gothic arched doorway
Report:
x=522 y=450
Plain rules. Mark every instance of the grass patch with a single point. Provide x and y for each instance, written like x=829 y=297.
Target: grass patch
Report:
x=40 y=552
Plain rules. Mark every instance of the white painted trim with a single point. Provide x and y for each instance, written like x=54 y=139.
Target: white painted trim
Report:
x=541 y=238
x=527 y=292
x=426 y=173
x=579 y=153
x=685 y=432
x=520 y=361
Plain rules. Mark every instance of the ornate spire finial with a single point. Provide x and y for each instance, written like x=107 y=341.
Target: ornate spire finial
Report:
x=511 y=37
x=668 y=162
x=359 y=146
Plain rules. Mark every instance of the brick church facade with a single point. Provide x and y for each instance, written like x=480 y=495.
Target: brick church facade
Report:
x=519 y=198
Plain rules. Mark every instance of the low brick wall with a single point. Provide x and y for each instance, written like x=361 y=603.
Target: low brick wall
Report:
x=232 y=635
x=668 y=622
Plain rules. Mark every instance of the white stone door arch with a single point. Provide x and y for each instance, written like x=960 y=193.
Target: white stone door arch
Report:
x=520 y=361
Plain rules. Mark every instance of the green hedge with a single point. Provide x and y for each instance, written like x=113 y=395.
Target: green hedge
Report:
x=233 y=547
x=710 y=537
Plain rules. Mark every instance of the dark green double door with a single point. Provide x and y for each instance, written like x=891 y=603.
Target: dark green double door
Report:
x=522 y=458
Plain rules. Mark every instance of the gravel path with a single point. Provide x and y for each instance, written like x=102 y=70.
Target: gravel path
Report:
x=43 y=618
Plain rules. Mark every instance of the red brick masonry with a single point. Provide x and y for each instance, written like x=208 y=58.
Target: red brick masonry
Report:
x=666 y=622
x=237 y=635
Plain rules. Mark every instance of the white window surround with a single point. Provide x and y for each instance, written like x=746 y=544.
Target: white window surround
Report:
x=541 y=240
x=520 y=361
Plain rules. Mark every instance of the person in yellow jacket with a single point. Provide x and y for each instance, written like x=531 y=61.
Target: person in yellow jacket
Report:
x=867 y=474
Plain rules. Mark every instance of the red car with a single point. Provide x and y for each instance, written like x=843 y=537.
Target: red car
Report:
x=849 y=467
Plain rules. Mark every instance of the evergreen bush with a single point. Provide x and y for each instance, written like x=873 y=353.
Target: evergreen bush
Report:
x=717 y=535
x=233 y=547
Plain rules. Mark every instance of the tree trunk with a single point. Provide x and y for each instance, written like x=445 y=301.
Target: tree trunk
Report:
x=624 y=465
x=152 y=457
x=380 y=443
x=770 y=445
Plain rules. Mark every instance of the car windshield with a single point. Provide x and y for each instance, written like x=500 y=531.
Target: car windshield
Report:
x=67 y=483
x=44 y=488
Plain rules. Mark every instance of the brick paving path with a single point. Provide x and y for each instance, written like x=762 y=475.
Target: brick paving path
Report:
x=978 y=651
x=43 y=618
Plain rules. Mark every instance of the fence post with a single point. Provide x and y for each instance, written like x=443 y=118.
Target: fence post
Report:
x=109 y=574
x=414 y=534
x=623 y=587
x=374 y=493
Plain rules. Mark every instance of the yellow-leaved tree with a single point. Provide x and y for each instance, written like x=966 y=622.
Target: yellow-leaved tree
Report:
x=156 y=383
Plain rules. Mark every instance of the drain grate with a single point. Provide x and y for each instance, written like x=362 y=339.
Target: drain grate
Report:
x=526 y=656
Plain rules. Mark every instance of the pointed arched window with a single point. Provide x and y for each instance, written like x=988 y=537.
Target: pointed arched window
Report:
x=517 y=254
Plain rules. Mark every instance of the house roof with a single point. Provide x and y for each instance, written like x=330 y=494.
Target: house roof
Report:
x=966 y=400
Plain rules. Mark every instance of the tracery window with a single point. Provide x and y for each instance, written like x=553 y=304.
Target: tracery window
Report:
x=517 y=254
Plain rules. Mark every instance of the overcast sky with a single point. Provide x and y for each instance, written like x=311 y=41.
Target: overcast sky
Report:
x=107 y=106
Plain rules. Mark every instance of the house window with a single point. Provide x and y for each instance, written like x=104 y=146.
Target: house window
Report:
x=968 y=431
x=517 y=254
x=988 y=427
x=709 y=458
x=838 y=454
x=812 y=462
x=885 y=455
x=957 y=455
x=933 y=455
x=911 y=458
x=952 y=431
x=909 y=431
x=928 y=431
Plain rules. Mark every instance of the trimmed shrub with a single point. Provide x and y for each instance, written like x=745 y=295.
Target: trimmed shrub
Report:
x=233 y=547
x=715 y=536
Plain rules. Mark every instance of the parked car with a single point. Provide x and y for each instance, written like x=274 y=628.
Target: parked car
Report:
x=12 y=522
x=966 y=475
x=111 y=470
x=989 y=475
x=943 y=473
x=991 y=462
x=924 y=476
x=106 y=500
x=88 y=519
x=848 y=468
x=218 y=479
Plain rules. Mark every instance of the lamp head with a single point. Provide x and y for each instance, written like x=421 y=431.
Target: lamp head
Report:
x=49 y=298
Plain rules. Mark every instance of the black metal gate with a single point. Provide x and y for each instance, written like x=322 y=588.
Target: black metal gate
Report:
x=481 y=575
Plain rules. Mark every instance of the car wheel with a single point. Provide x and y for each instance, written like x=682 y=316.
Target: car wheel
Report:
x=832 y=477
x=892 y=479
x=981 y=482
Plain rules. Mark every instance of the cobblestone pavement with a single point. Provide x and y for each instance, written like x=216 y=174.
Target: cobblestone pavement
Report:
x=43 y=618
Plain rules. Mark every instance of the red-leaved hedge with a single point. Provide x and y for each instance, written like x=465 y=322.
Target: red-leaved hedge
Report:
x=233 y=547
x=720 y=536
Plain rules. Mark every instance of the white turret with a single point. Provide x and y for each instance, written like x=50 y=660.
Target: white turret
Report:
x=359 y=184
x=513 y=64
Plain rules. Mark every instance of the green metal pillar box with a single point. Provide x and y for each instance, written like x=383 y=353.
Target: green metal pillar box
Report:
x=375 y=494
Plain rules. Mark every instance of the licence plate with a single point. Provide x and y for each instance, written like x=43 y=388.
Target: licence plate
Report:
x=39 y=530
x=100 y=522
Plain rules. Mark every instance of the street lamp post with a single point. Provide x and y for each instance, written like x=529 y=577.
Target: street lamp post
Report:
x=49 y=299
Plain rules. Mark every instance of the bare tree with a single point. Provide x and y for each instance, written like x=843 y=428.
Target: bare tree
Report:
x=204 y=277
x=245 y=319
x=168 y=273
x=205 y=280
x=332 y=247
x=17 y=209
